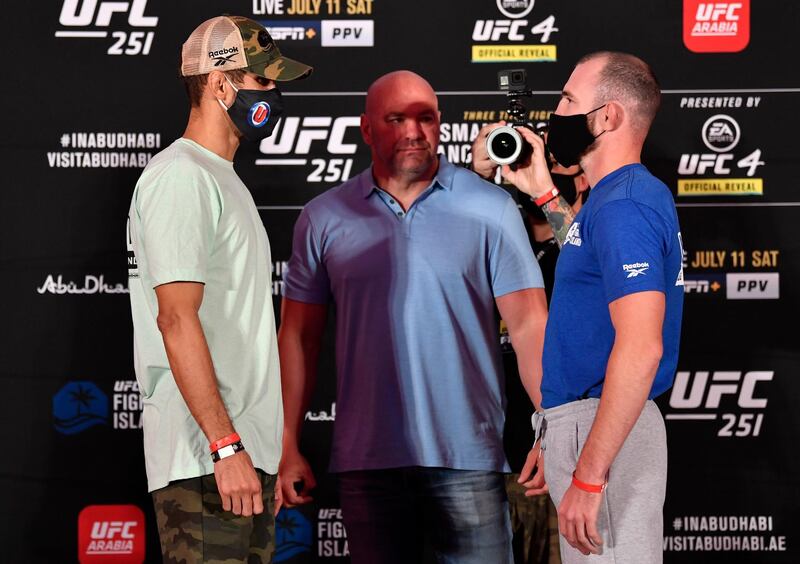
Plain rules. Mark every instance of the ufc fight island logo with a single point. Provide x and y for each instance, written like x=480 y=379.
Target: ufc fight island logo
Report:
x=130 y=29
x=716 y=27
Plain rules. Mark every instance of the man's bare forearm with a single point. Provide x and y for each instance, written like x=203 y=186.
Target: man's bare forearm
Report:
x=528 y=343
x=193 y=370
x=629 y=379
x=299 y=340
x=632 y=365
x=560 y=216
x=525 y=314
x=298 y=379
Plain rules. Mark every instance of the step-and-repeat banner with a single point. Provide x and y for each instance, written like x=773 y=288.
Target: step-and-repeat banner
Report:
x=91 y=93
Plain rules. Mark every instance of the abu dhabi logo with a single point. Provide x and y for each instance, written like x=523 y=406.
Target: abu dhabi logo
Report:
x=636 y=269
x=91 y=285
x=78 y=406
x=292 y=534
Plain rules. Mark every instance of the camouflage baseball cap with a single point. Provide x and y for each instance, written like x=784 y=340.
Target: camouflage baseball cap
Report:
x=233 y=42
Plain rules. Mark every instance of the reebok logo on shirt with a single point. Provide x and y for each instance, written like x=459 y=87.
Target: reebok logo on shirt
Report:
x=636 y=268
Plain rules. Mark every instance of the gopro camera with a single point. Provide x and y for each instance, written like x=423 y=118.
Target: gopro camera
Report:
x=513 y=80
x=505 y=145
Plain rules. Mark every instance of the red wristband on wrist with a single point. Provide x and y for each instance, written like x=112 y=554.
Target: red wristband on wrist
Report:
x=591 y=488
x=224 y=441
x=542 y=200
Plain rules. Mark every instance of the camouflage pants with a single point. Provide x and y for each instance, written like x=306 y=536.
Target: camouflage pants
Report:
x=194 y=528
x=534 y=524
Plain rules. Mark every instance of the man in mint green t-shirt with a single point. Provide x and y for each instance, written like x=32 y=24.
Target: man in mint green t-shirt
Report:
x=205 y=349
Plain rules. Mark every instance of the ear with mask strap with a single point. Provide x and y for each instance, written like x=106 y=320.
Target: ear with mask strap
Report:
x=254 y=112
x=569 y=137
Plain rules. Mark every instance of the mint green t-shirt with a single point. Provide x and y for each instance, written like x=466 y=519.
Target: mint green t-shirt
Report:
x=192 y=219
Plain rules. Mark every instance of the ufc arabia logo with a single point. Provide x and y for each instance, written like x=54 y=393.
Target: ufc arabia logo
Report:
x=110 y=530
x=716 y=27
x=111 y=533
x=96 y=17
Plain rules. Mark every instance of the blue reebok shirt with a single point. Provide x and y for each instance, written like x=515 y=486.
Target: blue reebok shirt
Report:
x=626 y=239
x=420 y=379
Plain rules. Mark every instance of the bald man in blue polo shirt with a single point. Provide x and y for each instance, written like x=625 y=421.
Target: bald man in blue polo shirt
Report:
x=415 y=254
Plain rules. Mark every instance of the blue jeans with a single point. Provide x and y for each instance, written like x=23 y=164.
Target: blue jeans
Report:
x=389 y=513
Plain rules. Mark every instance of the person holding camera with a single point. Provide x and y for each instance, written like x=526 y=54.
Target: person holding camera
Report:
x=549 y=224
x=534 y=520
x=612 y=338
x=415 y=254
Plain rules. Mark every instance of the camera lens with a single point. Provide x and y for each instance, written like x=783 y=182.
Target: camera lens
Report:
x=516 y=77
x=504 y=145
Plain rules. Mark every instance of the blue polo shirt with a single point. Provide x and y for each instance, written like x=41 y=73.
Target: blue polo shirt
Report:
x=624 y=240
x=417 y=352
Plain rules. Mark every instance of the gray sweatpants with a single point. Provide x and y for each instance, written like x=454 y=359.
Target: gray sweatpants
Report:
x=631 y=516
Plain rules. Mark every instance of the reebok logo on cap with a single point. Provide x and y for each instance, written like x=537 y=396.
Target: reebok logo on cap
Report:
x=236 y=42
x=223 y=55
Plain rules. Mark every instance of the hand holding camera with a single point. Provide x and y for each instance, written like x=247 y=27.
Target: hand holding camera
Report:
x=533 y=175
x=517 y=146
x=482 y=164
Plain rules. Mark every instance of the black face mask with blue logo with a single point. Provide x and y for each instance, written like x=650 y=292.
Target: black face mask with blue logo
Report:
x=255 y=112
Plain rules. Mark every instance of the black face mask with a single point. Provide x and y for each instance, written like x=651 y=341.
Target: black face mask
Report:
x=569 y=137
x=566 y=186
x=255 y=112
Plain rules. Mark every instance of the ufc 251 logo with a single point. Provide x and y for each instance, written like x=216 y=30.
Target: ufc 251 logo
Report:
x=298 y=138
x=93 y=19
x=740 y=396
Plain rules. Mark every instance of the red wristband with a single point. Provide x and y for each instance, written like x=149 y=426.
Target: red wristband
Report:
x=224 y=441
x=591 y=488
x=542 y=200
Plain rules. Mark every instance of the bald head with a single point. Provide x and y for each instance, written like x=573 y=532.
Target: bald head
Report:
x=399 y=88
x=401 y=125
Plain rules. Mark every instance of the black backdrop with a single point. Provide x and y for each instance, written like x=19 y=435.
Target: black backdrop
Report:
x=90 y=92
